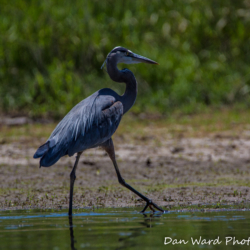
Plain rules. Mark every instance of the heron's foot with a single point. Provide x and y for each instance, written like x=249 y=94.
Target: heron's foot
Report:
x=152 y=206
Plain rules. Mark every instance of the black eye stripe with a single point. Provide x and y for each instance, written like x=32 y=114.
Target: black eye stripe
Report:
x=121 y=49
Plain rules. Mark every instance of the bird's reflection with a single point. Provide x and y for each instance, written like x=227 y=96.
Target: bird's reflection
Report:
x=153 y=215
x=71 y=229
x=148 y=222
x=135 y=232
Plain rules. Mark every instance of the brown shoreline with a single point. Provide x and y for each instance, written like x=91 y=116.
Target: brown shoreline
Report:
x=180 y=172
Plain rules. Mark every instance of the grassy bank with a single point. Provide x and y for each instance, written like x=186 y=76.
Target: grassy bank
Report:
x=224 y=121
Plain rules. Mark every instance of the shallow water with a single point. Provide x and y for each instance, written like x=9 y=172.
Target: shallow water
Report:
x=122 y=229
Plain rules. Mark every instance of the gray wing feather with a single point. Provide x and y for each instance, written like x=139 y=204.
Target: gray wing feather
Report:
x=82 y=115
x=87 y=125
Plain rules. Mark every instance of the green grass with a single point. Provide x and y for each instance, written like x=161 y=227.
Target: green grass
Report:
x=222 y=121
x=51 y=53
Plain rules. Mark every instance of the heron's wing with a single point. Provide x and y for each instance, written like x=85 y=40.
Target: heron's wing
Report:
x=81 y=117
x=88 y=124
x=107 y=121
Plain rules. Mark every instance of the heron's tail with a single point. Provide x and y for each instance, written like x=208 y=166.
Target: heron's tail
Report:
x=41 y=150
x=49 y=154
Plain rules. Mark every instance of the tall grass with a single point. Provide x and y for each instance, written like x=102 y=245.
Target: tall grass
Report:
x=51 y=52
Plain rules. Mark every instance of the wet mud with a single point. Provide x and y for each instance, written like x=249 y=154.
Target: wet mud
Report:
x=175 y=172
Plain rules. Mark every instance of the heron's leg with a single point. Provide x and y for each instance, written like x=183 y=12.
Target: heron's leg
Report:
x=109 y=148
x=72 y=181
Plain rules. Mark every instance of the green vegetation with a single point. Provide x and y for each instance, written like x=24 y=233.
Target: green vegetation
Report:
x=51 y=53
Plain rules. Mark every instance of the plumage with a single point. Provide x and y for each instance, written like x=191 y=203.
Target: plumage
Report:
x=90 y=123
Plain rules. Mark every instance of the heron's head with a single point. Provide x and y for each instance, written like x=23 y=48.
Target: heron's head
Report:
x=123 y=55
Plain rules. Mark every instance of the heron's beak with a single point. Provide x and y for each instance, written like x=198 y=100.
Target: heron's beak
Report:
x=141 y=59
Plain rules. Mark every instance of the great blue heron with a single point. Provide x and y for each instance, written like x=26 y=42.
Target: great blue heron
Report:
x=93 y=121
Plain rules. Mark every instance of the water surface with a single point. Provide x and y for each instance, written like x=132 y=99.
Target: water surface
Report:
x=123 y=228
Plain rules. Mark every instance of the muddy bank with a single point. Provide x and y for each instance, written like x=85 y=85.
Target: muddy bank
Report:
x=172 y=171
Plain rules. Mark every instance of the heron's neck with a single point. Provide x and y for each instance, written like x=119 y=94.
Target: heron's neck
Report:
x=129 y=96
x=126 y=76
